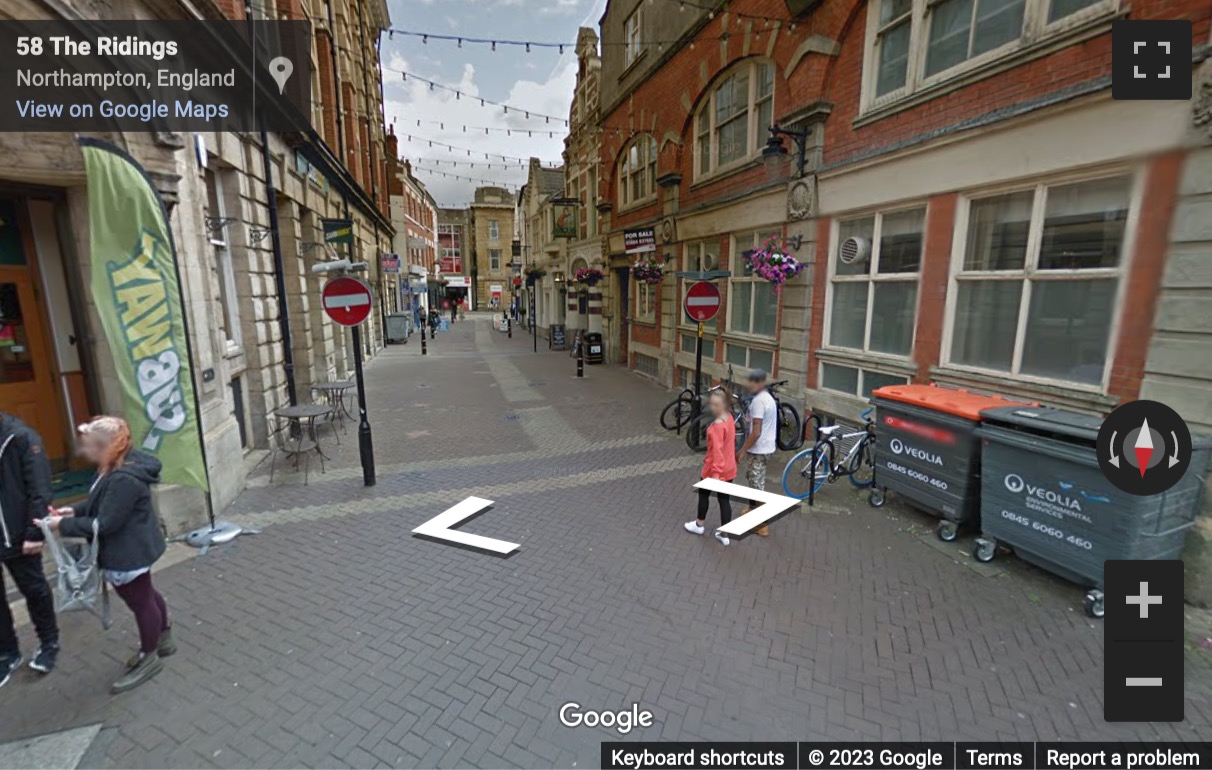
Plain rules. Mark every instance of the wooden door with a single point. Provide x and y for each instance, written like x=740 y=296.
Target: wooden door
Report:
x=28 y=387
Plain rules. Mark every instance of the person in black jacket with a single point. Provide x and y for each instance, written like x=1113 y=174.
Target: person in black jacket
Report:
x=131 y=539
x=25 y=495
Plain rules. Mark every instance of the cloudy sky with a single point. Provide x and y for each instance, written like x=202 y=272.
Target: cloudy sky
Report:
x=541 y=81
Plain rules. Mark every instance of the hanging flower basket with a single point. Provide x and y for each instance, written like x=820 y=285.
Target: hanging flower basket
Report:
x=772 y=263
x=590 y=276
x=647 y=271
x=534 y=275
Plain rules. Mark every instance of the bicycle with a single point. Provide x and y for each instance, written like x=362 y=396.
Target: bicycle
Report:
x=678 y=412
x=696 y=431
x=789 y=435
x=812 y=468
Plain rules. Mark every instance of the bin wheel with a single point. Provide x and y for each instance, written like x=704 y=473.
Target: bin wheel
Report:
x=1094 y=603
x=876 y=497
x=985 y=550
x=948 y=531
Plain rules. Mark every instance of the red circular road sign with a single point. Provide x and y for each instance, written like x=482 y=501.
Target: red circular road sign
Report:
x=347 y=300
x=702 y=301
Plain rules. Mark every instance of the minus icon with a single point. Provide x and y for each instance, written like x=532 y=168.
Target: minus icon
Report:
x=1143 y=681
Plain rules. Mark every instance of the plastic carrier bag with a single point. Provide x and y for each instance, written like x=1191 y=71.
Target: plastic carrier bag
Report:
x=78 y=583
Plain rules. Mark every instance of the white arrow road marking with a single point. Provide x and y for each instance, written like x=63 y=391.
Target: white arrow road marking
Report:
x=440 y=527
x=771 y=505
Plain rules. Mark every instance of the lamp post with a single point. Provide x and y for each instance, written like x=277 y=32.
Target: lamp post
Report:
x=775 y=151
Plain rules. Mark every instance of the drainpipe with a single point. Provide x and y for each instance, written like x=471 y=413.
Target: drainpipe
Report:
x=336 y=77
x=271 y=203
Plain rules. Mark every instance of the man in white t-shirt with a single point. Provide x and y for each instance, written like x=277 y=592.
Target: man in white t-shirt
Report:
x=760 y=442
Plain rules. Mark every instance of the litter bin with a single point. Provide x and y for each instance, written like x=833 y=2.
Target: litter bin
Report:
x=594 y=350
x=1044 y=495
x=927 y=452
x=398 y=326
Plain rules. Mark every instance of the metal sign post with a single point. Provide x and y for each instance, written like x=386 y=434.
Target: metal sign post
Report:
x=696 y=405
x=702 y=303
x=347 y=301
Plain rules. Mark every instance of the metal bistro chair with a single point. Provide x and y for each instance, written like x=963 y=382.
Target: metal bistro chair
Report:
x=294 y=439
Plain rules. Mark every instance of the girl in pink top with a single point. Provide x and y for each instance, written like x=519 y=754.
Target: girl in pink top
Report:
x=720 y=462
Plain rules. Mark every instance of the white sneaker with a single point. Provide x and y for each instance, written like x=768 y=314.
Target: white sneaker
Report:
x=722 y=538
x=693 y=528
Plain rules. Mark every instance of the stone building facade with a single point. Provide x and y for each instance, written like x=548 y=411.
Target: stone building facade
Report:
x=491 y=225
x=216 y=187
x=537 y=213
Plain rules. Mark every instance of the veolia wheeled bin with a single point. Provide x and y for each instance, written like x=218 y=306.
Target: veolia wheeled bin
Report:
x=927 y=452
x=1044 y=495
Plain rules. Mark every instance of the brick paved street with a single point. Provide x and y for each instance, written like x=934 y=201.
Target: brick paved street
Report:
x=335 y=638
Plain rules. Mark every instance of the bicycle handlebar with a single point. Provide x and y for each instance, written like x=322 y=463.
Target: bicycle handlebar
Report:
x=864 y=416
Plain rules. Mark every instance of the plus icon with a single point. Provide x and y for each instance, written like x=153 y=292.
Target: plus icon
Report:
x=1151 y=59
x=1143 y=600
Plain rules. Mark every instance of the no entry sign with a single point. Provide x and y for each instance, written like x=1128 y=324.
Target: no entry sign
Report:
x=347 y=300
x=702 y=301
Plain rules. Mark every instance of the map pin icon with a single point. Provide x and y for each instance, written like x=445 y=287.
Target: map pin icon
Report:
x=280 y=68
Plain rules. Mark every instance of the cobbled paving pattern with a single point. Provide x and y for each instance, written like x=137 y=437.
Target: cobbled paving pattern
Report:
x=336 y=638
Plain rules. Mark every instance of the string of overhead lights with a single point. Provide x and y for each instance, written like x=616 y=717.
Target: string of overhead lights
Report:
x=479 y=180
x=487 y=130
x=530 y=45
x=434 y=85
x=487 y=155
x=512 y=166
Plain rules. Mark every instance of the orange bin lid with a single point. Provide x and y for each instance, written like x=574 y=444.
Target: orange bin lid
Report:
x=954 y=401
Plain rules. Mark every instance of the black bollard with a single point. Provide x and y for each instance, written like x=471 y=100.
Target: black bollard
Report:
x=580 y=361
x=509 y=326
x=424 y=351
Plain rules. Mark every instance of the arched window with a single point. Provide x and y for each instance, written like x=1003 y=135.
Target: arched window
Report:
x=731 y=123
x=637 y=171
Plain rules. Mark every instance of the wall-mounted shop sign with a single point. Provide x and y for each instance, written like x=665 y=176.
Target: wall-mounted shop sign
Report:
x=338 y=231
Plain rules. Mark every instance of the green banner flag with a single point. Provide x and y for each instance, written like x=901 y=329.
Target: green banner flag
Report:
x=138 y=295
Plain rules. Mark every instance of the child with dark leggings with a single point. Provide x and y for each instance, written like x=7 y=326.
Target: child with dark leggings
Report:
x=720 y=463
x=131 y=540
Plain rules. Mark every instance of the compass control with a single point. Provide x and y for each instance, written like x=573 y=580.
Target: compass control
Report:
x=1144 y=448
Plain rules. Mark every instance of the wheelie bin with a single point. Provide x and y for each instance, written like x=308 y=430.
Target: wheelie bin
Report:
x=927 y=452
x=1044 y=495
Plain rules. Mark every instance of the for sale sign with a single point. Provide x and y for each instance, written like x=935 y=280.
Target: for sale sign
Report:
x=639 y=241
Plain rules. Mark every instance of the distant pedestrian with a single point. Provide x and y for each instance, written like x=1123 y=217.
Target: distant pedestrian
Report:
x=25 y=496
x=120 y=501
x=418 y=313
x=454 y=312
x=760 y=444
x=434 y=320
x=720 y=462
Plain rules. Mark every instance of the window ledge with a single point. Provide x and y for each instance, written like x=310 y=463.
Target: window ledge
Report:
x=641 y=203
x=1059 y=394
x=723 y=173
x=751 y=339
x=857 y=358
x=642 y=322
x=635 y=63
x=1049 y=43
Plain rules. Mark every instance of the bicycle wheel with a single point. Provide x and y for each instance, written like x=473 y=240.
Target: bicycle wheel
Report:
x=798 y=475
x=862 y=464
x=789 y=436
x=742 y=430
x=676 y=413
x=696 y=433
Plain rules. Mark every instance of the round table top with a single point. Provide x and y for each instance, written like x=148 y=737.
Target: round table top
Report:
x=333 y=385
x=303 y=411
